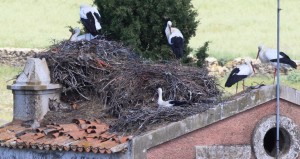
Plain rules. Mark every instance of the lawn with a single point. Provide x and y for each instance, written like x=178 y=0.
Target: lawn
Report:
x=6 y=98
x=36 y=23
x=237 y=27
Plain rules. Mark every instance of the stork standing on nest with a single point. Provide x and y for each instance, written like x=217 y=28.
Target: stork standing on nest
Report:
x=169 y=103
x=240 y=73
x=175 y=39
x=90 y=18
x=270 y=56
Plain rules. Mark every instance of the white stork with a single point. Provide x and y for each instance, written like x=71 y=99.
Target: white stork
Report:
x=270 y=56
x=169 y=103
x=240 y=73
x=76 y=37
x=175 y=39
x=90 y=19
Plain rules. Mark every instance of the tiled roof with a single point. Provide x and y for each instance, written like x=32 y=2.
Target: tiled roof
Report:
x=81 y=135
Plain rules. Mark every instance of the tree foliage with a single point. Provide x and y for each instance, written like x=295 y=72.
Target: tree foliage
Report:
x=140 y=23
x=201 y=54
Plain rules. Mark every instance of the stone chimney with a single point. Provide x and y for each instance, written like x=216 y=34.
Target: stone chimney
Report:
x=32 y=91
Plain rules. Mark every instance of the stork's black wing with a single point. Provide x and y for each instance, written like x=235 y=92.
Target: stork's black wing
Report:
x=178 y=103
x=89 y=24
x=234 y=78
x=285 y=60
x=177 y=46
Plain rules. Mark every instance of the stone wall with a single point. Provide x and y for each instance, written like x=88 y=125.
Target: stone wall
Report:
x=16 y=56
x=223 y=151
x=214 y=67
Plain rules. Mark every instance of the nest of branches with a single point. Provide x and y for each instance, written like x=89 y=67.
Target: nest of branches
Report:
x=122 y=82
x=140 y=120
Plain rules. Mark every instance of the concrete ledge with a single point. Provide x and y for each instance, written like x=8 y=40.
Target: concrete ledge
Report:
x=223 y=152
x=290 y=94
x=22 y=87
x=141 y=144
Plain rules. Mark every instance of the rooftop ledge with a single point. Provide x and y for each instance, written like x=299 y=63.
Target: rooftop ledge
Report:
x=29 y=87
x=223 y=110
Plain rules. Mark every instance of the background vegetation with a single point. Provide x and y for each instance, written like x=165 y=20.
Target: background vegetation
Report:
x=234 y=29
x=36 y=23
x=6 y=99
x=140 y=23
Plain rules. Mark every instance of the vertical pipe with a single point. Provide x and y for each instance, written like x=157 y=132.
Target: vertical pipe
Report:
x=278 y=84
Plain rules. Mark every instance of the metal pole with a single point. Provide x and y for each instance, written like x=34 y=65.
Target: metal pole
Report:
x=278 y=84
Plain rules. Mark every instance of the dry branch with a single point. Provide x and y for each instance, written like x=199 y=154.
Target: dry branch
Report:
x=122 y=82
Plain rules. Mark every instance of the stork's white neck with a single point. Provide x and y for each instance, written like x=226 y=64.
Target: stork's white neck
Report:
x=261 y=55
x=167 y=32
x=160 y=95
x=75 y=35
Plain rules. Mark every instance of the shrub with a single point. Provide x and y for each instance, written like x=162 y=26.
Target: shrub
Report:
x=201 y=54
x=140 y=23
x=294 y=76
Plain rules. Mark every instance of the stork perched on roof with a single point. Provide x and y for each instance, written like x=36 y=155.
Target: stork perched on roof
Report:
x=90 y=19
x=169 y=103
x=240 y=73
x=270 y=56
x=175 y=39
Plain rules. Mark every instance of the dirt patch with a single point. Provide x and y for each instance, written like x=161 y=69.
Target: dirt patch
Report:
x=16 y=57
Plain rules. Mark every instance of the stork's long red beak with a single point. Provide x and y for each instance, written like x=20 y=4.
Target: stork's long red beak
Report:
x=252 y=67
x=257 y=53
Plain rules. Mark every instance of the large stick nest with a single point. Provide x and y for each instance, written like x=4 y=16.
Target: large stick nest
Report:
x=122 y=82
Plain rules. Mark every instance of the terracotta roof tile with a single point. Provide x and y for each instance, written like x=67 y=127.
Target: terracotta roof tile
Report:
x=84 y=126
x=69 y=127
x=57 y=134
x=27 y=137
x=122 y=139
x=81 y=135
x=76 y=135
x=79 y=121
x=50 y=131
x=6 y=135
x=106 y=136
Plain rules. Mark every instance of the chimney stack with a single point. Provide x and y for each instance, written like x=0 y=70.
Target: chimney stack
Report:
x=32 y=91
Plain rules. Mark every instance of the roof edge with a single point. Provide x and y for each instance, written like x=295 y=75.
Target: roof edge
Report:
x=290 y=94
x=221 y=111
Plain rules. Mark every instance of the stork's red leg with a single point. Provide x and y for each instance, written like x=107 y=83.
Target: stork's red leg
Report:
x=237 y=85
x=274 y=75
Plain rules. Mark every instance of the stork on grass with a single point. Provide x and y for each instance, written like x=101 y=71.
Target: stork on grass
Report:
x=175 y=39
x=76 y=37
x=270 y=56
x=240 y=73
x=90 y=18
x=169 y=103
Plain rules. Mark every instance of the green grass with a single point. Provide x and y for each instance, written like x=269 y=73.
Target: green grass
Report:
x=237 y=27
x=35 y=23
x=7 y=73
